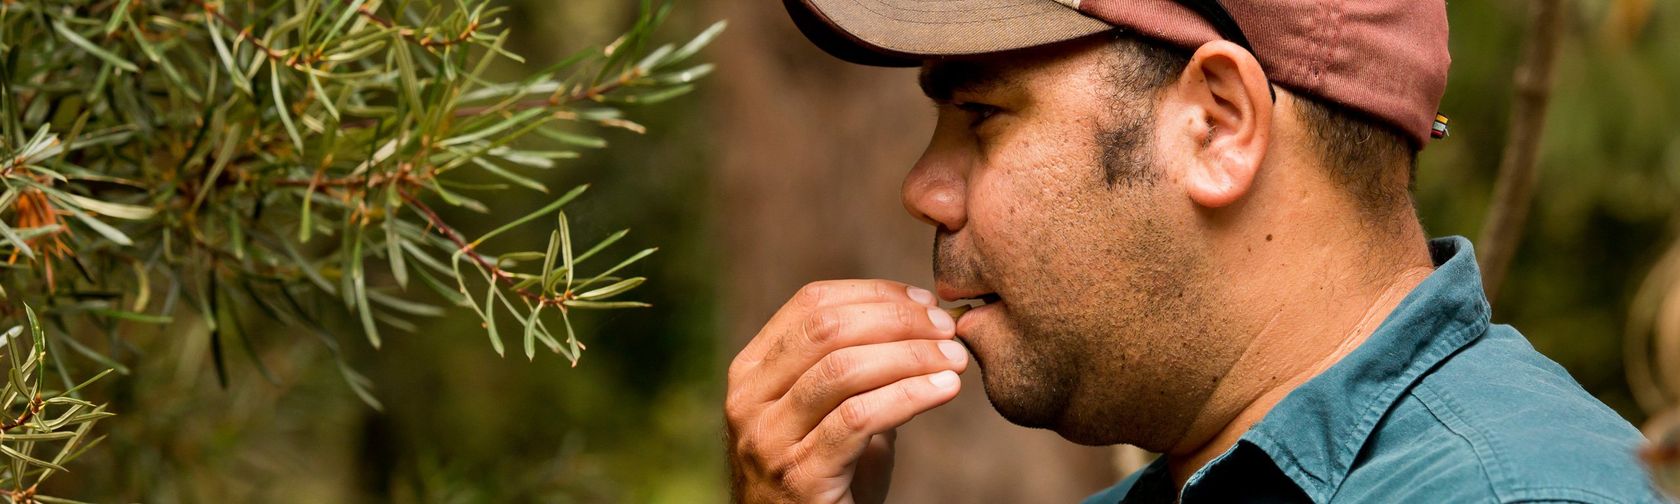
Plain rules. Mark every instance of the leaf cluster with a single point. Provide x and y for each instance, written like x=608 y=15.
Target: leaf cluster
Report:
x=41 y=428
x=231 y=159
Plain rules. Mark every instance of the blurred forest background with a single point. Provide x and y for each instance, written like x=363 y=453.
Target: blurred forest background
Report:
x=782 y=169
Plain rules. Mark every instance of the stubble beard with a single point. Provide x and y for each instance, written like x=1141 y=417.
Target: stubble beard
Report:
x=1113 y=341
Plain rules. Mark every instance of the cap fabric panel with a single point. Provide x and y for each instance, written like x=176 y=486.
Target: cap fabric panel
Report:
x=1394 y=74
x=1163 y=20
x=1386 y=59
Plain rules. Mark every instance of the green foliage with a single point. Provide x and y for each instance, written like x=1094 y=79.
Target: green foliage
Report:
x=43 y=428
x=168 y=164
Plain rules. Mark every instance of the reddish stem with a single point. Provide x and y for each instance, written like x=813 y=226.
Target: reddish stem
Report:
x=466 y=248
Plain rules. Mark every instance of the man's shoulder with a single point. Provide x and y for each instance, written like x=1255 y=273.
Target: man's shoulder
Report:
x=1501 y=422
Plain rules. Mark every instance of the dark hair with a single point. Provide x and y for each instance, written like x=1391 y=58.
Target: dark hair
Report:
x=1364 y=156
x=1136 y=70
x=1361 y=154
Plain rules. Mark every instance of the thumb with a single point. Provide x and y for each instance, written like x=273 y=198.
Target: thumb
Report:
x=874 y=469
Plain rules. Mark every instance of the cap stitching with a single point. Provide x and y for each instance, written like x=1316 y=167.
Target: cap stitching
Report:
x=1333 y=43
x=1329 y=16
x=871 y=6
x=931 y=11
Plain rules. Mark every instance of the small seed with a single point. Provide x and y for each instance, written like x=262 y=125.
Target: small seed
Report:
x=958 y=311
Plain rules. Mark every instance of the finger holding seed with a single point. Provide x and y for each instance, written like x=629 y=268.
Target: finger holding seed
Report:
x=842 y=364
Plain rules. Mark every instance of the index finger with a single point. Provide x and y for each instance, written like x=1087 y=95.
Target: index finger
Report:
x=825 y=293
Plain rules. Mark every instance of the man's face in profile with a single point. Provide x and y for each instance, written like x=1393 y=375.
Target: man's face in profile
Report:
x=1056 y=202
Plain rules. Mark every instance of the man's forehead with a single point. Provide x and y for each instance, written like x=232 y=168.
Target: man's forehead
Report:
x=1009 y=70
x=940 y=79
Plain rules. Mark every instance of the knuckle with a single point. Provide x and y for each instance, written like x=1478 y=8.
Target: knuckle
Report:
x=737 y=408
x=738 y=444
x=855 y=415
x=778 y=465
x=811 y=295
x=905 y=316
x=736 y=424
x=732 y=405
x=748 y=450
x=903 y=395
x=925 y=354
x=802 y=480
x=823 y=380
x=737 y=371
x=822 y=326
x=764 y=474
x=836 y=368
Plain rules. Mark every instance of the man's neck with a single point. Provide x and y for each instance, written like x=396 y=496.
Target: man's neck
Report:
x=1314 y=325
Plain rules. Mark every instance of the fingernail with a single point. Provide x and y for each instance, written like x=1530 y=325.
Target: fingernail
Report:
x=941 y=320
x=953 y=350
x=943 y=379
x=922 y=296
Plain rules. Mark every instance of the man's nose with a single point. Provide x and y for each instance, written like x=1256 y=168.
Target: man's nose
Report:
x=934 y=192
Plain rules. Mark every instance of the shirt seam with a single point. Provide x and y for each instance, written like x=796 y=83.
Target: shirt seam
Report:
x=1438 y=354
x=1486 y=460
x=1559 y=494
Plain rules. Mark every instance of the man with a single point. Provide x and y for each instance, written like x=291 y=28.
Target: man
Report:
x=1191 y=231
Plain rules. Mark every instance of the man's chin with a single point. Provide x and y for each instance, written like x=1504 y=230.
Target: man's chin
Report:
x=1050 y=410
x=1078 y=432
x=1036 y=409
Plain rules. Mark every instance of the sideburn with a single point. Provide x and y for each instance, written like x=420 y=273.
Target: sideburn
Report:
x=1123 y=140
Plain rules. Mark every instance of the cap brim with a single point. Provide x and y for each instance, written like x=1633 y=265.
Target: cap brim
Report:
x=905 y=32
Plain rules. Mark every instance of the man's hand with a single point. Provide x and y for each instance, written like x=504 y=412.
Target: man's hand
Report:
x=814 y=397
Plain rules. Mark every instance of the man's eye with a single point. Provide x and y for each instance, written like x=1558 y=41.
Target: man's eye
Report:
x=980 y=112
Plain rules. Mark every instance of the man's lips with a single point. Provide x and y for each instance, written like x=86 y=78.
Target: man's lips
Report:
x=969 y=317
x=953 y=294
x=973 y=303
x=967 y=300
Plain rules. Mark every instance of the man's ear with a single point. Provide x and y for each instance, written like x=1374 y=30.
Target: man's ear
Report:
x=1227 y=117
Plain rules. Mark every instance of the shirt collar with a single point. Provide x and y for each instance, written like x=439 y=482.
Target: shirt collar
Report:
x=1314 y=433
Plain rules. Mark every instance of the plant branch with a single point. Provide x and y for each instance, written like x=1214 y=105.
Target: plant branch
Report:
x=427 y=42
x=25 y=495
x=556 y=100
x=1519 y=164
x=466 y=248
x=34 y=408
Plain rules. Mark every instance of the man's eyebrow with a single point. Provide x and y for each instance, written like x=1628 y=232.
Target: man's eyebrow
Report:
x=943 y=79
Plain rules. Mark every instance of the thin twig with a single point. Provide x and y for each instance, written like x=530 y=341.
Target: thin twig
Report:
x=34 y=408
x=408 y=33
x=1519 y=166
x=375 y=180
x=279 y=56
x=21 y=496
x=466 y=248
x=578 y=94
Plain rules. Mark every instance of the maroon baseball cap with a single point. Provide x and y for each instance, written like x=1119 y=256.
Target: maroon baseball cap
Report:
x=1384 y=58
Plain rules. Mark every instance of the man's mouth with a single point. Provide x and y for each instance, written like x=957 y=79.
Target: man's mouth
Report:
x=966 y=304
x=962 y=308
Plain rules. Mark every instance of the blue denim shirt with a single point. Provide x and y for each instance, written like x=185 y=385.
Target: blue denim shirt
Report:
x=1437 y=406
